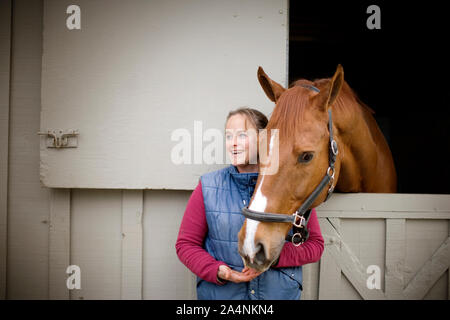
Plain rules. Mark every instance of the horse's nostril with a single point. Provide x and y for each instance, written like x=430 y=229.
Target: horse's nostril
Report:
x=260 y=256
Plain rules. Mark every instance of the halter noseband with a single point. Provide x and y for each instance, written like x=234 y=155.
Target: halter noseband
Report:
x=300 y=217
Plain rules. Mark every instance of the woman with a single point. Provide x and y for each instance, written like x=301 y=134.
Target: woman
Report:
x=207 y=240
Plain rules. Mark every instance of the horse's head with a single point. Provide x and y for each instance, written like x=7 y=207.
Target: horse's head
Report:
x=302 y=152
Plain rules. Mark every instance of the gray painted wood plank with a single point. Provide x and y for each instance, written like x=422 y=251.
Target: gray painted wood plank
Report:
x=430 y=272
x=366 y=238
x=382 y=202
x=59 y=243
x=419 y=215
x=132 y=211
x=5 y=60
x=395 y=258
x=349 y=264
x=330 y=271
x=96 y=242
x=164 y=276
x=330 y=277
x=28 y=200
x=118 y=91
x=311 y=273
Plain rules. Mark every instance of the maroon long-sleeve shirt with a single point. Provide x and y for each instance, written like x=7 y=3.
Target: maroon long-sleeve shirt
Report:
x=194 y=228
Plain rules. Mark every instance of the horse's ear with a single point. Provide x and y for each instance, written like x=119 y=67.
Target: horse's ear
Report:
x=272 y=89
x=333 y=88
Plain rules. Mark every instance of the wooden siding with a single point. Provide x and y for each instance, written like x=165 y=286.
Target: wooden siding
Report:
x=406 y=236
x=5 y=61
x=29 y=203
x=123 y=240
x=169 y=65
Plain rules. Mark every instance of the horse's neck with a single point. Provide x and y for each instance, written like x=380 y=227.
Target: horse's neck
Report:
x=361 y=144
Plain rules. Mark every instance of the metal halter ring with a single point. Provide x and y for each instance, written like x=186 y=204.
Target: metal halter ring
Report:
x=330 y=175
x=300 y=223
x=299 y=236
x=334 y=147
x=331 y=189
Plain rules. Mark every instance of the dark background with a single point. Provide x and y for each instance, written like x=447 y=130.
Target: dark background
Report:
x=400 y=71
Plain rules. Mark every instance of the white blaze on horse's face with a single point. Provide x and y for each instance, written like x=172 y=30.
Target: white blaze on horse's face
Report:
x=259 y=203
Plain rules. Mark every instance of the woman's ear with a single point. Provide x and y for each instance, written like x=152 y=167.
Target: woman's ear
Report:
x=272 y=89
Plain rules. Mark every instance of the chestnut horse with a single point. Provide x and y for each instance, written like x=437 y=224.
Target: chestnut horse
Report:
x=302 y=115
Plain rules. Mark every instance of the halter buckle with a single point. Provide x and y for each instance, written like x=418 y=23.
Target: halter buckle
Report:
x=301 y=220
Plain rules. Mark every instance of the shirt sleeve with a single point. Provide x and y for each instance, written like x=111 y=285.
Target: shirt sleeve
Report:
x=192 y=233
x=308 y=252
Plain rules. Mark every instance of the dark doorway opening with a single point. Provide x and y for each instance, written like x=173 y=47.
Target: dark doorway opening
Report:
x=400 y=71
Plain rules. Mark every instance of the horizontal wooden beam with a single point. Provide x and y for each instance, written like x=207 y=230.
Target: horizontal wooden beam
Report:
x=422 y=215
x=397 y=202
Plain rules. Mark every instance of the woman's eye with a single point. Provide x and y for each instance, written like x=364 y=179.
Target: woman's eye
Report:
x=305 y=157
x=242 y=135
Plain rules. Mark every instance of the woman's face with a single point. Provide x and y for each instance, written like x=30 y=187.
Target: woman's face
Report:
x=241 y=141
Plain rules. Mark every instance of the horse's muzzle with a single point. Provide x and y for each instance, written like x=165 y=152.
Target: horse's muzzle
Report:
x=260 y=261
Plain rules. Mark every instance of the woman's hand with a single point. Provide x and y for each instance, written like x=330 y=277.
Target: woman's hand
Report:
x=246 y=275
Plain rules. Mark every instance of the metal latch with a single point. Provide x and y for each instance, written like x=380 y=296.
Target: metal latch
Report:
x=60 y=138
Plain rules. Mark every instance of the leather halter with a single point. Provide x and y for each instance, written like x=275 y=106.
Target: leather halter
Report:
x=300 y=217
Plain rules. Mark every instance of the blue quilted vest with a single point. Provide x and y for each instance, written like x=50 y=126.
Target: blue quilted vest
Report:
x=225 y=192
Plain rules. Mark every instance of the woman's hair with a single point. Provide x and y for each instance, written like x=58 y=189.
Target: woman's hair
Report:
x=257 y=118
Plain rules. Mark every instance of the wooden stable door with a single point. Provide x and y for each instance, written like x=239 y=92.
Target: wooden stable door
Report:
x=119 y=77
x=382 y=246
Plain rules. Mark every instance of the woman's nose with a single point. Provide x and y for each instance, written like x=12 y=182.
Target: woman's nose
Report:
x=235 y=141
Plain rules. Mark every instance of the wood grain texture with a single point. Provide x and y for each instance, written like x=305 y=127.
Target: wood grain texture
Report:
x=344 y=259
x=164 y=276
x=28 y=200
x=132 y=212
x=395 y=257
x=392 y=203
x=5 y=61
x=330 y=271
x=430 y=272
x=96 y=243
x=59 y=243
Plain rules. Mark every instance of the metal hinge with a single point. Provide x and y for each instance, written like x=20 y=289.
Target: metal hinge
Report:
x=60 y=138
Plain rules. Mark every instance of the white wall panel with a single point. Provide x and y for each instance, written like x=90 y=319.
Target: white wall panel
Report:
x=96 y=242
x=138 y=70
x=164 y=276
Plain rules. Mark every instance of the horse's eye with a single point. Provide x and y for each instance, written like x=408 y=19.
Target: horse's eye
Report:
x=305 y=157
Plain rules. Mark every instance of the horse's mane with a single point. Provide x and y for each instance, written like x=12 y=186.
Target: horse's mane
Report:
x=347 y=102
